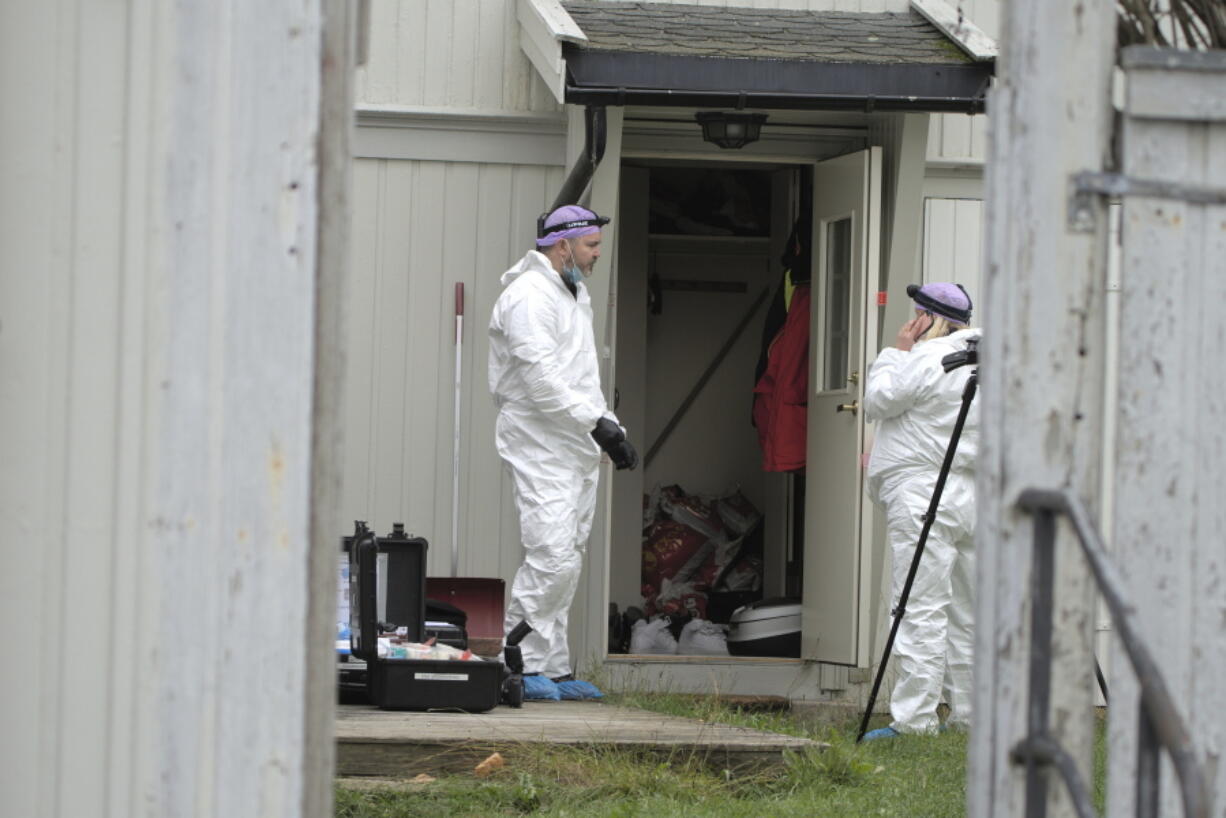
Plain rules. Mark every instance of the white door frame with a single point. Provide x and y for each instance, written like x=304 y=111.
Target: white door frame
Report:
x=869 y=320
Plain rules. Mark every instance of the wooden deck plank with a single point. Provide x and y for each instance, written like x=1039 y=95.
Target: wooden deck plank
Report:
x=399 y=744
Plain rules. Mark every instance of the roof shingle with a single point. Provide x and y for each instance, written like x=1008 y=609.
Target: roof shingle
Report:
x=777 y=34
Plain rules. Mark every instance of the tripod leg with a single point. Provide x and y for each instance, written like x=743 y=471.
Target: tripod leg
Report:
x=885 y=658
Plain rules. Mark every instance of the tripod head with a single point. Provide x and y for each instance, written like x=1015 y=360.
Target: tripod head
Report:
x=968 y=356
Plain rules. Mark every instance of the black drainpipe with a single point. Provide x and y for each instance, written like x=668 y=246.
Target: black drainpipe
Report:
x=585 y=167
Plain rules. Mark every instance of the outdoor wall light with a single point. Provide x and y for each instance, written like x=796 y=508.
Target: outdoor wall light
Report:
x=730 y=130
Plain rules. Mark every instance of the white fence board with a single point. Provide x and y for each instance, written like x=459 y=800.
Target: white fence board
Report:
x=1170 y=446
x=159 y=218
x=1041 y=381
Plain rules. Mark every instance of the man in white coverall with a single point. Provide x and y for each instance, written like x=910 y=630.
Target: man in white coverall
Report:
x=915 y=404
x=552 y=425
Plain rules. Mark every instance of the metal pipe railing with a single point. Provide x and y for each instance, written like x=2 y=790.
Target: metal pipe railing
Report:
x=1161 y=727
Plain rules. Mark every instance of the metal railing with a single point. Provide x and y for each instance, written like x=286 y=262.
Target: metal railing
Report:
x=1160 y=726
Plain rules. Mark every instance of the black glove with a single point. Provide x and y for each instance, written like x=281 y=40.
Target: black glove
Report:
x=610 y=438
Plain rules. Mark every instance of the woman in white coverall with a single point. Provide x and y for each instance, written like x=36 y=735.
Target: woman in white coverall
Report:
x=552 y=425
x=915 y=404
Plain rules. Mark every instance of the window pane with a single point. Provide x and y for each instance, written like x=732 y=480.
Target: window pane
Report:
x=838 y=280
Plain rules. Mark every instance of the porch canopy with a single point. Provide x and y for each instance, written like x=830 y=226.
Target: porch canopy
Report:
x=626 y=53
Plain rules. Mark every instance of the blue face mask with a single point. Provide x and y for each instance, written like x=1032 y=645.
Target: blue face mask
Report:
x=572 y=273
x=570 y=270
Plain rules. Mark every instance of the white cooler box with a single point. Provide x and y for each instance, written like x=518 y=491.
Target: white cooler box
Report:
x=768 y=627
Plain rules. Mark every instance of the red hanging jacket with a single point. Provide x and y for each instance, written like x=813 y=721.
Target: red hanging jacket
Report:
x=781 y=397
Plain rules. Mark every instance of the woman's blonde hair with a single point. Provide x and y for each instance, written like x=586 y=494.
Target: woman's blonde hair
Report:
x=941 y=326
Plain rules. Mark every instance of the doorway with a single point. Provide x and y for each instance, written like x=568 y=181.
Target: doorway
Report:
x=703 y=280
x=702 y=528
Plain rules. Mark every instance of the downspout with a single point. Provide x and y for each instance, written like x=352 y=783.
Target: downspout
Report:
x=580 y=175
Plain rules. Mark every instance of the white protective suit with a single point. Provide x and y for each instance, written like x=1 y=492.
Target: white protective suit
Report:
x=915 y=404
x=543 y=374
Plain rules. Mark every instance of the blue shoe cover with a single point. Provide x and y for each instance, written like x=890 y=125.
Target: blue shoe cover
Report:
x=880 y=732
x=575 y=689
x=539 y=688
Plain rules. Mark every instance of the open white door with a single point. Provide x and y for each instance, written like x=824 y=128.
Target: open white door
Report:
x=837 y=557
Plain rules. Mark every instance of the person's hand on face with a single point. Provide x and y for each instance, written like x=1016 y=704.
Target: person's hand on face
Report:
x=912 y=330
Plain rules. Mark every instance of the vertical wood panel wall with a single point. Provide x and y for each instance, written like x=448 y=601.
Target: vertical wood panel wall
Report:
x=449 y=54
x=157 y=240
x=1170 y=447
x=418 y=228
x=953 y=242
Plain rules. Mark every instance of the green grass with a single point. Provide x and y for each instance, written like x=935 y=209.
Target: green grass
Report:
x=914 y=776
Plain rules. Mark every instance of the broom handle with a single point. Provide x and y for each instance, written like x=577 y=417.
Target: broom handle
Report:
x=455 y=450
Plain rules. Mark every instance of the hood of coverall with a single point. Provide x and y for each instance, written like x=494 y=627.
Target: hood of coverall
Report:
x=537 y=261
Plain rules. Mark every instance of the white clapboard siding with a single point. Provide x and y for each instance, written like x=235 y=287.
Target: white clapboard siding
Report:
x=158 y=234
x=418 y=228
x=953 y=242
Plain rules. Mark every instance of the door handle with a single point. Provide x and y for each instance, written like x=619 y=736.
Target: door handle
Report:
x=852 y=407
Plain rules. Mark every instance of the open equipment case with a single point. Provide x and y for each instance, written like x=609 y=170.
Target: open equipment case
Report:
x=412 y=684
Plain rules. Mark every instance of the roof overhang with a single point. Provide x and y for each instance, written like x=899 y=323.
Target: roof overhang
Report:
x=599 y=78
x=704 y=58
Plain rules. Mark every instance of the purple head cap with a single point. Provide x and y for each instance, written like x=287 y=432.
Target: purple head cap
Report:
x=567 y=222
x=947 y=300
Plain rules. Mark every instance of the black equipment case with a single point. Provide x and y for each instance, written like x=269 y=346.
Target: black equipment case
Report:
x=408 y=684
x=399 y=586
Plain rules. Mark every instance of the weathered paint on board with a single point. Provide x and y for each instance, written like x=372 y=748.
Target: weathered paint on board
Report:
x=159 y=246
x=1170 y=447
x=1041 y=379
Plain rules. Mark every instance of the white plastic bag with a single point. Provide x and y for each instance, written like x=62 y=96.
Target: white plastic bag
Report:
x=702 y=638
x=652 y=637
